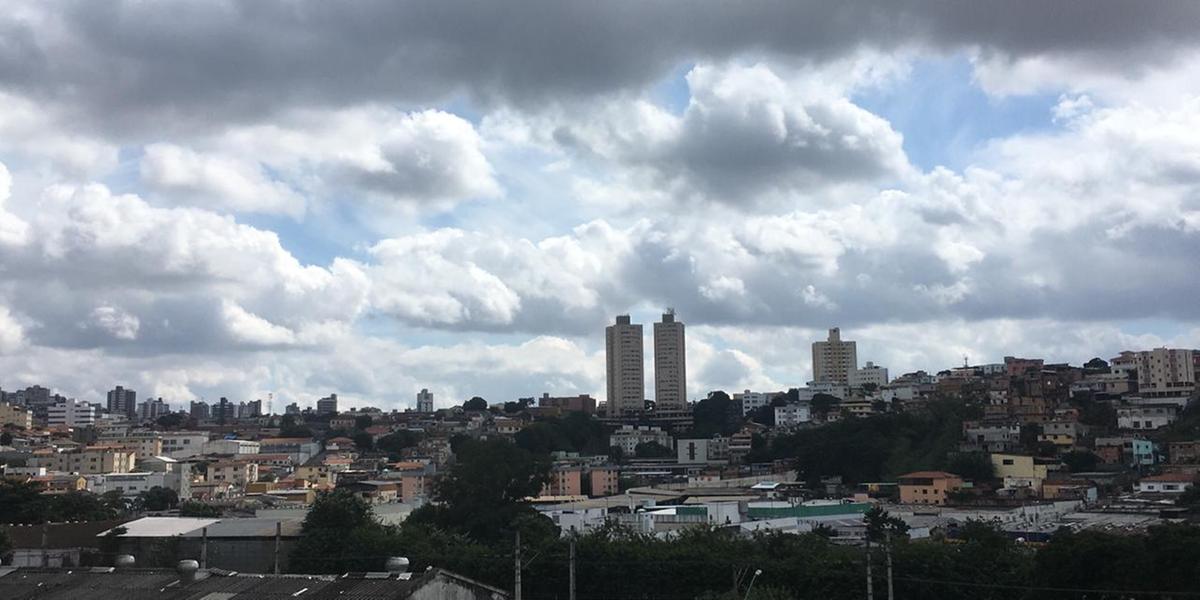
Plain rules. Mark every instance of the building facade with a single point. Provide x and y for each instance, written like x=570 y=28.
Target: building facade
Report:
x=670 y=364
x=626 y=368
x=872 y=374
x=11 y=414
x=833 y=359
x=424 y=401
x=327 y=405
x=122 y=402
x=72 y=413
x=1166 y=373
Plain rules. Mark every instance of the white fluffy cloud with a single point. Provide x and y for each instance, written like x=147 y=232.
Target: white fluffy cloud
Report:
x=181 y=173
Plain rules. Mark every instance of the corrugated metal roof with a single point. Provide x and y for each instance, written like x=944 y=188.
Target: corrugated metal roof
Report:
x=163 y=526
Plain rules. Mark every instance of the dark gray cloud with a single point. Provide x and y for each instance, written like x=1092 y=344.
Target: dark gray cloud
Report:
x=145 y=65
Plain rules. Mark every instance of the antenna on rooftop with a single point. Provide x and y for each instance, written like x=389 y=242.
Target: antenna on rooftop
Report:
x=966 y=362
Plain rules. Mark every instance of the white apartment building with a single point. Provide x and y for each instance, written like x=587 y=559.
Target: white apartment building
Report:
x=834 y=359
x=752 y=401
x=790 y=415
x=183 y=444
x=72 y=413
x=132 y=484
x=1152 y=416
x=628 y=437
x=231 y=447
x=670 y=364
x=840 y=391
x=626 y=368
x=870 y=374
x=1166 y=373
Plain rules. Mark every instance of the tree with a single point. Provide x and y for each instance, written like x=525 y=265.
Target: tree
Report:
x=396 y=441
x=881 y=525
x=362 y=422
x=172 y=420
x=716 y=414
x=340 y=533
x=158 y=498
x=483 y=495
x=363 y=440
x=822 y=404
x=974 y=466
x=193 y=508
x=475 y=403
x=652 y=450
x=1079 y=462
x=616 y=454
x=1096 y=365
x=6 y=438
x=6 y=546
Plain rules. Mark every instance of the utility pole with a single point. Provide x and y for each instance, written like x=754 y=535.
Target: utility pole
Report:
x=517 y=570
x=278 y=536
x=204 y=548
x=45 y=543
x=891 y=593
x=870 y=584
x=572 y=571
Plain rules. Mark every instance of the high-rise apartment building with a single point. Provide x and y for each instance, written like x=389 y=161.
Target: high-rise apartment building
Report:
x=626 y=369
x=327 y=405
x=152 y=409
x=200 y=410
x=424 y=401
x=834 y=359
x=670 y=364
x=1166 y=373
x=122 y=402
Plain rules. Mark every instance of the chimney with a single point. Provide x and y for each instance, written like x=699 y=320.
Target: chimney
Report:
x=124 y=561
x=187 y=570
x=396 y=565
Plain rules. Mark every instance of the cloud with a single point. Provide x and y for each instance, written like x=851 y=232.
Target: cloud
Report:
x=216 y=181
x=12 y=335
x=116 y=322
x=149 y=65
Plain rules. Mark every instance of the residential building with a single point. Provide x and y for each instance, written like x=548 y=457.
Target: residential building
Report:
x=292 y=409
x=72 y=413
x=122 y=402
x=1129 y=451
x=252 y=410
x=626 y=368
x=1187 y=452
x=582 y=403
x=628 y=437
x=239 y=473
x=152 y=409
x=328 y=405
x=670 y=364
x=200 y=411
x=871 y=374
x=752 y=401
x=224 y=411
x=299 y=449
x=790 y=415
x=1146 y=417
x=1167 y=483
x=424 y=401
x=60 y=483
x=234 y=447
x=604 y=481
x=90 y=460
x=833 y=359
x=1063 y=433
x=991 y=437
x=181 y=444
x=131 y=484
x=1017 y=367
x=143 y=446
x=1166 y=373
x=565 y=480
x=928 y=487
x=1020 y=471
x=11 y=414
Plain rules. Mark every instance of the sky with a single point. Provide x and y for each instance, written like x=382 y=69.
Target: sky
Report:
x=296 y=197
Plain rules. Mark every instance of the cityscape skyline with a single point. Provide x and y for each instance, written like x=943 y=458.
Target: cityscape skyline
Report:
x=367 y=222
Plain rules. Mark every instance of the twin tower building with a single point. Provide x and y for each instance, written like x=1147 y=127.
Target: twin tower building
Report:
x=627 y=371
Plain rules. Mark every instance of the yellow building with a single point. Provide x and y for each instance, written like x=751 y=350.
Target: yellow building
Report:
x=92 y=460
x=15 y=415
x=240 y=474
x=1018 y=470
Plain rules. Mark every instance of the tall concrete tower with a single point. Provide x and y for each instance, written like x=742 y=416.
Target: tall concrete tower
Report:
x=834 y=359
x=626 y=369
x=670 y=364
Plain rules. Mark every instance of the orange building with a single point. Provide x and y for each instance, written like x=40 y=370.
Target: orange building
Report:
x=928 y=487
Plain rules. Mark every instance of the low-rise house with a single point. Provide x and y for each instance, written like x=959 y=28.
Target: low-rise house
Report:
x=130 y=485
x=374 y=491
x=990 y=437
x=1020 y=471
x=1167 y=483
x=928 y=487
x=60 y=483
x=238 y=473
x=1124 y=450
x=1183 y=453
x=1146 y=417
x=1063 y=433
